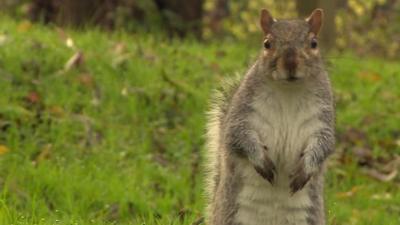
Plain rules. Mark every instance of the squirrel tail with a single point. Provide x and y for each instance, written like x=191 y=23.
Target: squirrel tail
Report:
x=219 y=107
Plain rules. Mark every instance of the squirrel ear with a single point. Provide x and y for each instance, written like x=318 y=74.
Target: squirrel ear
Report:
x=315 y=20
x=266 y=21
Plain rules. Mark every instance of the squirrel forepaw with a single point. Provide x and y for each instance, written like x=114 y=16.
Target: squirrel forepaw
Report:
x=299 y=178
x=267 y=171
x=265 y=167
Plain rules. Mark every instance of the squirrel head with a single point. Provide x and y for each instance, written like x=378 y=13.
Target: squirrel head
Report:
x=290 y=47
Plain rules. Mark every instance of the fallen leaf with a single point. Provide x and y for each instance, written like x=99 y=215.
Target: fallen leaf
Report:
x=348 y=194
x=391 y=165
x=215 y=66
x=33 y=97
x=199 y=221
x=3 y=149
x=56 y=111
x=86 y=79
x=379 y=175
x=24 y=26
x=364 y=155
x=220 y=53
x=388 y=95
x=119 y=48
x=75 y=61
x=369 y=76
x=354 y=136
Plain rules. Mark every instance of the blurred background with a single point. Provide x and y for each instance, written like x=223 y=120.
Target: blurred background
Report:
x=365 y=27
x=103 y=105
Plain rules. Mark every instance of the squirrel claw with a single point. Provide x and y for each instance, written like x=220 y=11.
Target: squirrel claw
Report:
x=267 y=170
x=268 y=174
x=299 y=180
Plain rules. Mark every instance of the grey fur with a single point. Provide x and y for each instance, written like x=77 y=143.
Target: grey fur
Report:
x=232 y=142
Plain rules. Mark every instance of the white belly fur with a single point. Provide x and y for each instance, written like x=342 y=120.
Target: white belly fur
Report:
x=284 y=122
x=263 y=204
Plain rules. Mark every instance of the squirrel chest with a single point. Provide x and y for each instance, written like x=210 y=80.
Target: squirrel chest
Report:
x=284 y=121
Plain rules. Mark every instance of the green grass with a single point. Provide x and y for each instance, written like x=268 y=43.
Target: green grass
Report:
x=120 y=139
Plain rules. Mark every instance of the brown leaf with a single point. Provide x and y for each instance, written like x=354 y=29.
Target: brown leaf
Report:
x=354 y=136
x=75 y=61
x=215 y=66
x=348 y=194
x=388 y=95
x=379 y=175
x=199 y=221
x=3 y=149
x=24 y=26
x=391 y=165
x=33 y=97
x=56 y=111
x=86 y=79
x=220 y=53
x=364 y=155
x=119 y=48
x=369 y=76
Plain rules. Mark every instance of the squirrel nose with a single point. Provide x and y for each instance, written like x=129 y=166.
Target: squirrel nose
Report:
x=290 y=61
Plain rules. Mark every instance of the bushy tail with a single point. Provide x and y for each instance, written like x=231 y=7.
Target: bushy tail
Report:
x=216 y=115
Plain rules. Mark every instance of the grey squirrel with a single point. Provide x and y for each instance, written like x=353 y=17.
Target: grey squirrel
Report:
x=270 y=133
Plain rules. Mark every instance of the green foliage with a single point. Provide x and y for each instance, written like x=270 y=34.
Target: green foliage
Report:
x=369 y=27
x=365 y=27
x=117 y=138
x=243 y=21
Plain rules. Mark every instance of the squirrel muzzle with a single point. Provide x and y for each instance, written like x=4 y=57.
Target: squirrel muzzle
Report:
x=290 y=63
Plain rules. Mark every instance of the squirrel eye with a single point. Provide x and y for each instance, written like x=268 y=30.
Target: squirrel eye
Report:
x=267 y=44
x=314 y=43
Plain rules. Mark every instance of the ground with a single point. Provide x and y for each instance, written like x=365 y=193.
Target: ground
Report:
x=108 y=128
